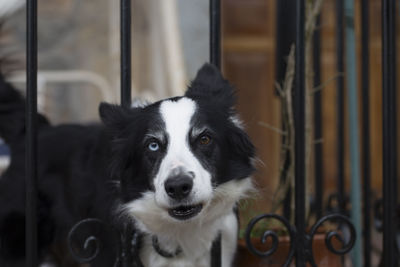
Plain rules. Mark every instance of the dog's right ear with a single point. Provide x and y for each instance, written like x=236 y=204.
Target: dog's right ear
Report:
x=114 y=117
x=210 y=86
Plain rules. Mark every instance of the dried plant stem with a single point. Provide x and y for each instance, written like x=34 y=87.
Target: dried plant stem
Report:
x=273 y=128
x=326 y=83
x=287 y=151
x=313 y=8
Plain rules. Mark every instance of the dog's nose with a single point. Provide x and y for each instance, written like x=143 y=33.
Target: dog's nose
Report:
x=178 y=187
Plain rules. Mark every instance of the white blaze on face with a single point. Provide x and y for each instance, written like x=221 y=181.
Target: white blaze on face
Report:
x=177 y=116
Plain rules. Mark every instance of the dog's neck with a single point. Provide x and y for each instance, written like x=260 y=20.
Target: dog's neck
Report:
x=162 y=252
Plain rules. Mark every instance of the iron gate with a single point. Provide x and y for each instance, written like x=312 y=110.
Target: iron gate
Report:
x=301 y=241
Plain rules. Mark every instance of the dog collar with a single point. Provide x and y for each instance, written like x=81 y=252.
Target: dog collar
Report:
x=161 y=252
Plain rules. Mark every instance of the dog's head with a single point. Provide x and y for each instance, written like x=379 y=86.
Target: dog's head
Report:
x=181 y=157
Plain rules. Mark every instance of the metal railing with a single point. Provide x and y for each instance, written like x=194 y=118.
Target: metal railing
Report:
x=366 y=161
x=31 y=136
x=389 y=191
x=301 y=241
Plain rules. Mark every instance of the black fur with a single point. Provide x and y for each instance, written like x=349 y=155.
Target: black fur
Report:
x=216 y=98
x=87 y=171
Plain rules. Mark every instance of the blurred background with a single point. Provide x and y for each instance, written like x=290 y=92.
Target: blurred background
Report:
x=79 y=66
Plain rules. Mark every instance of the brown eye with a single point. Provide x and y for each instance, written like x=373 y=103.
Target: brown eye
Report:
x=205 y=140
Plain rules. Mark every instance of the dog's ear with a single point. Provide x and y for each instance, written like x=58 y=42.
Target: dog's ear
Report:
x=209 y=75
x=210 y=85
x=241 y=154
x=114 y=117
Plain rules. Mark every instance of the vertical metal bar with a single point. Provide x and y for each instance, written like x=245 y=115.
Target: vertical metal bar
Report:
x=215 y=58
x=215 y=32
x=126 y=97
x=389 y=132
x=126 y=72
x=319 y=181
x=366 y=161
x=299 y=116
x=285 y=37
x=31 y=136
x=340 y=103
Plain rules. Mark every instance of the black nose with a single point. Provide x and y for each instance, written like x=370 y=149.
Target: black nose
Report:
x=178 y=187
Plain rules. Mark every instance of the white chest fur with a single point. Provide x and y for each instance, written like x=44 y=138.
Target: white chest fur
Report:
x=195 y=244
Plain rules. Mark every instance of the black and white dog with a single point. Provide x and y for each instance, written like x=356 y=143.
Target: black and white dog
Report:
x=175 y=169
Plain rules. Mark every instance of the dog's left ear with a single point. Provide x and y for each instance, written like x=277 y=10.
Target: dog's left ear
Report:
x=114 y=117
x=210 y=85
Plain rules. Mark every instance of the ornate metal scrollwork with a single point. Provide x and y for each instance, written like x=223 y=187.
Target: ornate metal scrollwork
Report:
x=91 y=245
x=270 y=234
x=89 y=238
x=330 y=235
x=334 y=234
x=85 y=242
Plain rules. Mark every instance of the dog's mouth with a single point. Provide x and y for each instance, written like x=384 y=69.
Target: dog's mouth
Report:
x=185 y=212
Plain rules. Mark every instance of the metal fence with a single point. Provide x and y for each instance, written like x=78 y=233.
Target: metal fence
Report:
x=301 y=240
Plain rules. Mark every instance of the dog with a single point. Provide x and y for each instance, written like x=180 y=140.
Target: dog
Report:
x=174 y=170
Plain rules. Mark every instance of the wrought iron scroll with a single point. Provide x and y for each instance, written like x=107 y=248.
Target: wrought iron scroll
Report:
x=347 y=245
x=85 y=247
x=330 y=235
x=270 y=234
x=92 y=243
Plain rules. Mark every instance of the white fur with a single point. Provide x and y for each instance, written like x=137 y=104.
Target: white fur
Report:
x=237 y=121
x=139 y=103
x=194 y=236
x=227 y=225
x=177 y=116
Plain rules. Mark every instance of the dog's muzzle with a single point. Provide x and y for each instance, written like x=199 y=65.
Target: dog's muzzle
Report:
x=178 y=188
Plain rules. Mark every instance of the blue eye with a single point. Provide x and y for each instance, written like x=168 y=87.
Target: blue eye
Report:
x=154 y=146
